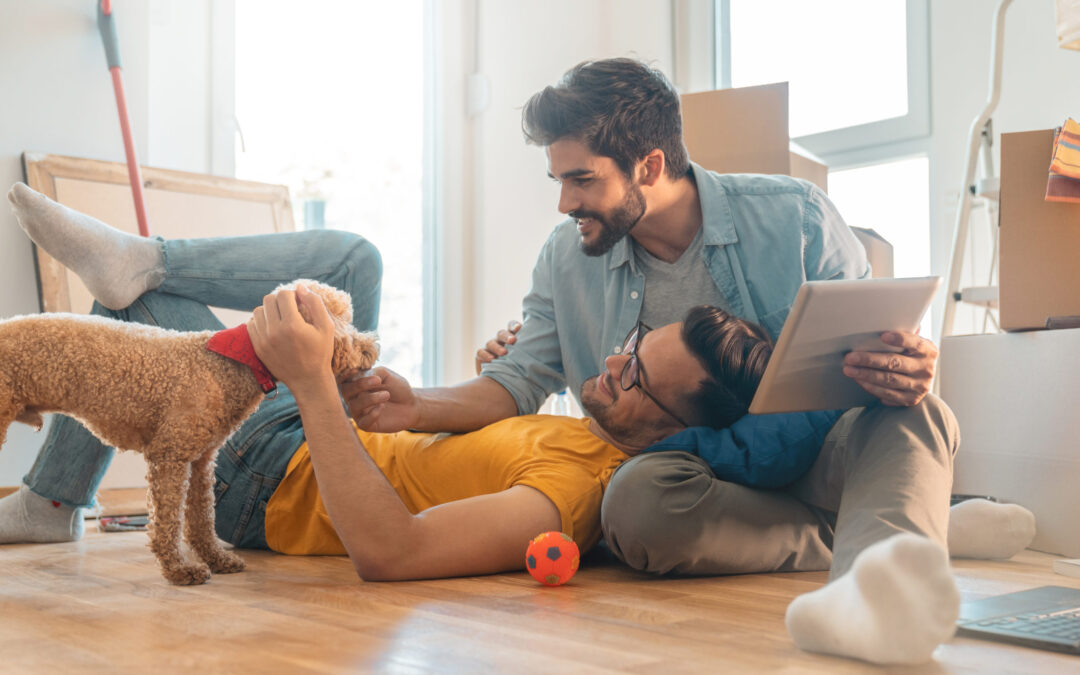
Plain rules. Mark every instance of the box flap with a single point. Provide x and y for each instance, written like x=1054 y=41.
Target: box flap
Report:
x=879 y=252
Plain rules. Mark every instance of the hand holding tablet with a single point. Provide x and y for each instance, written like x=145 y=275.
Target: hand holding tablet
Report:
x=899 y=378
x=831 y=319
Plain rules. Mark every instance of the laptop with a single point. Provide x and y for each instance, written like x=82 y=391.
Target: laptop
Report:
x=1047 y=617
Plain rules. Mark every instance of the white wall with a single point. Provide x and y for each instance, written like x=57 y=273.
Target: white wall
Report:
x=1040 y=88
x=522 y=47
x=58 y=98
x=178 y=88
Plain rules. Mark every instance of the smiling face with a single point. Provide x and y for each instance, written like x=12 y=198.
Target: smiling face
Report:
x=668 y=372
x=596 y=193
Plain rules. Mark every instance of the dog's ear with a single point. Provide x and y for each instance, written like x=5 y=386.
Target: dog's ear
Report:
x=367 y=346
x=353 y=349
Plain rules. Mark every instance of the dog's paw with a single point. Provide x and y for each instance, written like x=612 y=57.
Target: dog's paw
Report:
x=187 y=575
x=226 y=563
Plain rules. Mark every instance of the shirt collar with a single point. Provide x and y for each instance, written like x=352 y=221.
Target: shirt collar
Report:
x=718 y=222
x=715 y=209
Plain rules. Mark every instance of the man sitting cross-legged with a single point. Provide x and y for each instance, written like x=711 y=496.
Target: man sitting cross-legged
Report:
x=299 y=478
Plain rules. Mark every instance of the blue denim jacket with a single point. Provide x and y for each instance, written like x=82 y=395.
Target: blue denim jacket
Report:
x=764 y=236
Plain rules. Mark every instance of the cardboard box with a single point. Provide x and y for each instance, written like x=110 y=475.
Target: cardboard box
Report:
x=745 y=130
x=1015 y=397
x=879 y=252
x=1039 y=240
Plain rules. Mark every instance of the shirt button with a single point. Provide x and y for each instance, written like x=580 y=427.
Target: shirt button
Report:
x=618 y=350
x=633 y=295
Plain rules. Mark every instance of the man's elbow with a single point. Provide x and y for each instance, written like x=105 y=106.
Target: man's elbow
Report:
x=372 y=571
x=381 y=561
x=500 y=402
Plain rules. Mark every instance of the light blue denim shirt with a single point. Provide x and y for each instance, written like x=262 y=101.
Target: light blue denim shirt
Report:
x=764 y=236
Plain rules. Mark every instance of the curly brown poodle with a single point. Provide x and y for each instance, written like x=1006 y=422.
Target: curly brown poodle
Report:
x=159 y=392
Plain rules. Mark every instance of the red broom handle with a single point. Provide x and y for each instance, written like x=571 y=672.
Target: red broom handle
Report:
x=134 y=174
x=107 y=26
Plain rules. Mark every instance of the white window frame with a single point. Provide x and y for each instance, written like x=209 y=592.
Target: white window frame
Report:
x=450 y=150
x=862 y=144
x=433 y=319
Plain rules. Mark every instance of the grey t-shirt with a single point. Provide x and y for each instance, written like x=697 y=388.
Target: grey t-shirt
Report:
x=671 y=289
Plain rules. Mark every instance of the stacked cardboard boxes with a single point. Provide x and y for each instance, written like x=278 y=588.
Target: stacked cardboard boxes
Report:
x=1015 y=394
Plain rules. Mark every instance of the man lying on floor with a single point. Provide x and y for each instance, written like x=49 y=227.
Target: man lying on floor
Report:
x=477 y=496
x=298 y=477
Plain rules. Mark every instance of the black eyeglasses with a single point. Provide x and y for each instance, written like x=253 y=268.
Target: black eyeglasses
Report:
x=633 y=372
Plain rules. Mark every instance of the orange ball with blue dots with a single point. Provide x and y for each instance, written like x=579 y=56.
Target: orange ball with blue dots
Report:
x=552 y=558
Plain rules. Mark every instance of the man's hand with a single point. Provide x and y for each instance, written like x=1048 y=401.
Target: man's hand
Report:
x=380 y=400
x=898 y=379
x=297 y=352
x=497 y=346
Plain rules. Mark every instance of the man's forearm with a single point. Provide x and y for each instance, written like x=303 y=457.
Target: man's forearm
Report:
x=464 y=407
x=369 y=516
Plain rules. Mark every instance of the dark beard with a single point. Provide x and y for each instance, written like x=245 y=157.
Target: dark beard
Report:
x=616 y=224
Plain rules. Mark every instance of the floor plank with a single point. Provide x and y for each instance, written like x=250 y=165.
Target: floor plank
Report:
x=100 y=605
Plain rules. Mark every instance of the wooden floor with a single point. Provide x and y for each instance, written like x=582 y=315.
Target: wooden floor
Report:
x=99 y=605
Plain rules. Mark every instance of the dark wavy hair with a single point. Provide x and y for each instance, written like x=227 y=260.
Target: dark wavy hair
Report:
x=734 y=353
x=619 y=108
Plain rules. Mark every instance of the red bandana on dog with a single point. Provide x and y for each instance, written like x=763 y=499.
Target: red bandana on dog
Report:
x=235 y=344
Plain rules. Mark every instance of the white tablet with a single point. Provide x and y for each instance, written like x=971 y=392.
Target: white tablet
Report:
x=828 y=320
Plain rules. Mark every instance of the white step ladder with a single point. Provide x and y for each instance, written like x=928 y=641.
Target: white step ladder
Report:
x=986 y=191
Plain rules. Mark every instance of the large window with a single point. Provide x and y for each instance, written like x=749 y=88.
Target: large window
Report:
x=330 y=101
x=892 y=199
x=859 y=99
x=858 y=70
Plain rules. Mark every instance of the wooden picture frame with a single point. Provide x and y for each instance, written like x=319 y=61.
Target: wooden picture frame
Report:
x=178 y=205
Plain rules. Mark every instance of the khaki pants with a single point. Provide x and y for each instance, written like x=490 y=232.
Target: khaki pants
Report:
x=881 y=471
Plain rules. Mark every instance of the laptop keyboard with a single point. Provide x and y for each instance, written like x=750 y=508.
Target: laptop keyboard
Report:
x=1064 y=625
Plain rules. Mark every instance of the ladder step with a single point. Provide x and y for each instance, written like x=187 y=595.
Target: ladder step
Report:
x=986 y=296
x=990 y=188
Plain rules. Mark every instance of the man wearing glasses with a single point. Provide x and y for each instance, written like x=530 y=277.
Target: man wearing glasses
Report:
x=651 y=234
x=414 y=505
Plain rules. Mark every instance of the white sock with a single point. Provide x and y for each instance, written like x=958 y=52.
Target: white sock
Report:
x=116 y=267
x=29 y=518
x=895 y=606
x=979 y=528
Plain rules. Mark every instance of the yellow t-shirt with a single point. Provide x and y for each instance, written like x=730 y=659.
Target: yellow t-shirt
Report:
x=558 y=456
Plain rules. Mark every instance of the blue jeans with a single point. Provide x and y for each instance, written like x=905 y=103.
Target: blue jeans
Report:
x=233 y=273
